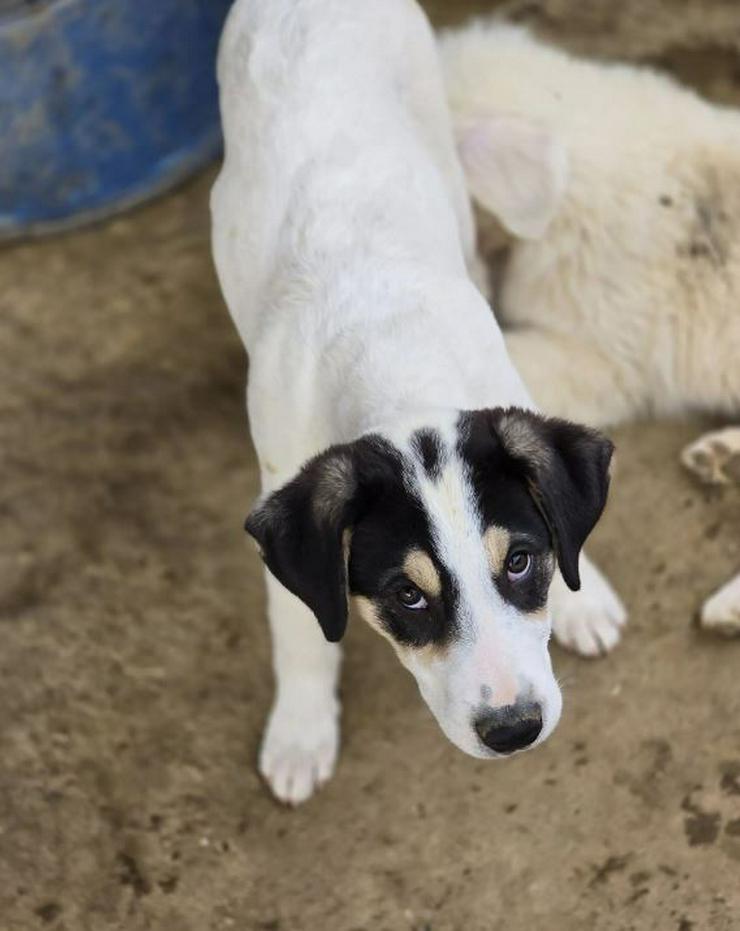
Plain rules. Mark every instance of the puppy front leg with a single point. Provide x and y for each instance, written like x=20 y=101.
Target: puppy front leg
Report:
x=299 y=747
x=590 y=620
x=715 y=459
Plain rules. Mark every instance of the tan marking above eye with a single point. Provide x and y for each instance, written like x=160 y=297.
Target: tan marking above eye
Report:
x=497 y=541
x=420 y=570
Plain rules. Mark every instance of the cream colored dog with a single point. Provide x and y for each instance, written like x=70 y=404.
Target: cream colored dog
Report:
x=620 y=292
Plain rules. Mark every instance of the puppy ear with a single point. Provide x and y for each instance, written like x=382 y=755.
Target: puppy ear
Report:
x=515 y=169
x=303 y=528
x=567 y=469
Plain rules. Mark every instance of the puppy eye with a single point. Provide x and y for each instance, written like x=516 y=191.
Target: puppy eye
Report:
x=410 y=597
x=518 y=565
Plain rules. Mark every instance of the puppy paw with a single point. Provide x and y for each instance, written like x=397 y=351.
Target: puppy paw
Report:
x=715 y=457
x=299 y=748
x=721 y=613
x=589 y=621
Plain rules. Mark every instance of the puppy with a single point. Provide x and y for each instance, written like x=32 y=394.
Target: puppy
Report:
x=403 y=466
x=610 y=205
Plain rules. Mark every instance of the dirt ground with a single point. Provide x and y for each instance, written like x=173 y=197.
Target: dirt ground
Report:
x=134 y=667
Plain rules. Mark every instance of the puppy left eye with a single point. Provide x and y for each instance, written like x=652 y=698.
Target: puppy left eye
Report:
x=518 y=565
x=411 y=598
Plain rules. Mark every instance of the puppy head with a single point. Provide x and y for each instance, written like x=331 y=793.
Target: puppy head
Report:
x=446 y=537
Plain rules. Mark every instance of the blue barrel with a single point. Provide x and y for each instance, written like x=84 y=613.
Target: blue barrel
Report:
x=102 y=104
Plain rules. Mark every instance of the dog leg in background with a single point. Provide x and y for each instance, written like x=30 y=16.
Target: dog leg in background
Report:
x=515 y=169
x=300 y=744
x=715 y=459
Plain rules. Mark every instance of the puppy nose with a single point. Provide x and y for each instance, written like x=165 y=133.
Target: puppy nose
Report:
x=511 y=728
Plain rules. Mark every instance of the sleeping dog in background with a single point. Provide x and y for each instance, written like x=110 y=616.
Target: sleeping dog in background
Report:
x=403 y=465
x=610 y=207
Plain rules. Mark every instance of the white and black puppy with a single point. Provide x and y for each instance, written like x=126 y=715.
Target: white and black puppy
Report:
x=401 y=461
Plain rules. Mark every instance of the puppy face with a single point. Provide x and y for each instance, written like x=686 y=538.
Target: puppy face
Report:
x=446 y=538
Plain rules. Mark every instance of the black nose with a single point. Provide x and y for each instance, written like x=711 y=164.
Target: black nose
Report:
x=511 y=728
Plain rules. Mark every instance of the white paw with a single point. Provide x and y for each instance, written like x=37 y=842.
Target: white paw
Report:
x=715 y=457
x=299 y=748
x=590 y=620
x=721 y=612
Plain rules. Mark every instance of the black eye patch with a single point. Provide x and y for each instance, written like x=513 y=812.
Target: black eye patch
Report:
x=414 y=628
x=528 y=594
x=397 y=526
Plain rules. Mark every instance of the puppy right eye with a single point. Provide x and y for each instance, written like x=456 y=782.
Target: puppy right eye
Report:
x=411 y=598
x=518 y=565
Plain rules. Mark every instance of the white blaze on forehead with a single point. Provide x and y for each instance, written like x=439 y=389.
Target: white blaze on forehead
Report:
x=449 y=501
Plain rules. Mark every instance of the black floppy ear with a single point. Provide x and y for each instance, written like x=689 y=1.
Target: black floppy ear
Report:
x=567 y=469
x=303 y=528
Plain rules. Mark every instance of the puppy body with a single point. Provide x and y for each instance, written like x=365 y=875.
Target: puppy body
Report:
x=340 y=231
x=341 y=225
x=618 y=294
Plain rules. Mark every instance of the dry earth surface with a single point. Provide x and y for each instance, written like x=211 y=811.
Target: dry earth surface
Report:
x=134 y=669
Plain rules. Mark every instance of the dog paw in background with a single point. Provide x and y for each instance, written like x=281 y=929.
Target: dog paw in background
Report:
x=715 y=460
x=589 y=621
x=715 y=457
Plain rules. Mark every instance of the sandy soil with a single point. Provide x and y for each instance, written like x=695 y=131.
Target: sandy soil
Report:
x=134 y=669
